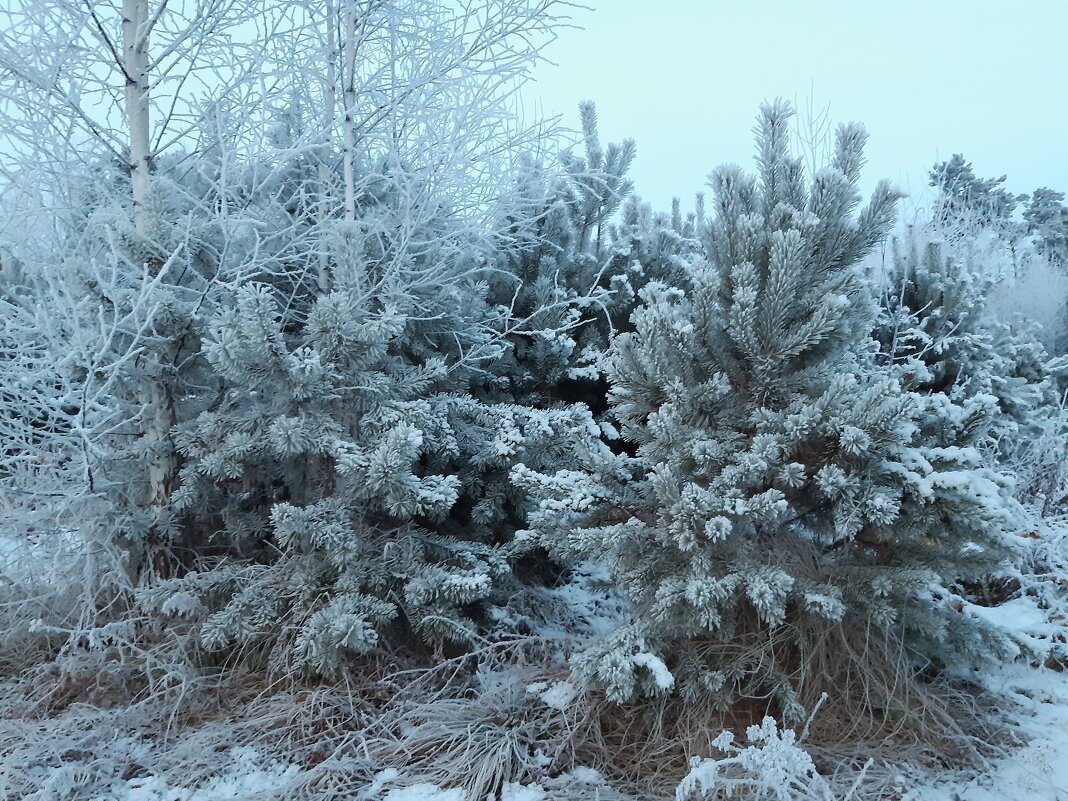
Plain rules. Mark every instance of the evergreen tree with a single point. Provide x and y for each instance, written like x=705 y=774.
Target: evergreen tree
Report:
x=937 y=332
x=939 y=336
x=551 y=277
x=1047 y=219
x=783 y=485
x=961 y=192
x=349 y=478
x=572 y=269
x=649 y=247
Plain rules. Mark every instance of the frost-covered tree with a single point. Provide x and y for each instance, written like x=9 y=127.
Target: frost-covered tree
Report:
x=940 y=336
x=582 y=246
x=646 y=247
x=962 y=192
x=117 y=324
x=418 y=93
x=551 y=271
x=399 y=436
x=1047 y=220
x=937 y=331
x=346 y=479
x=784 y=487
x=90 y=110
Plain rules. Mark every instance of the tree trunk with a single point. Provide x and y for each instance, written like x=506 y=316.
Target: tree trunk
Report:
x=157 y=395
x=159 y=418
x=135 y=33
x=329 y=112
x=349 y=77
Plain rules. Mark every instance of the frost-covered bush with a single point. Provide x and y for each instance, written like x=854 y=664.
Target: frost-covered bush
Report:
x=770 y=767
x=784 y=486
x=346 y=479
x=297 y=429
x=550 y=276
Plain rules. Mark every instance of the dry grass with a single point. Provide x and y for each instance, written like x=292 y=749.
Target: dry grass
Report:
x=467 y=722
x=872 y=705
x=100 y=712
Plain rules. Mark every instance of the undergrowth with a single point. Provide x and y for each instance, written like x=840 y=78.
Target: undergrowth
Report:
x=504 y=713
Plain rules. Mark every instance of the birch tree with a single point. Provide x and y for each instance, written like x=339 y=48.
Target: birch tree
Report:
x=136 y=30
x=99 y=337
x=348 y=169
x=126 y=81
x=416 y=100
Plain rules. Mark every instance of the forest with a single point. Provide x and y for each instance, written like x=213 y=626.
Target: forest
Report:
x=361 y=438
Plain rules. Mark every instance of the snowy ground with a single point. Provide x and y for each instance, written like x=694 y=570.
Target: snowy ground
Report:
x=1035 y=771
x=249 y=781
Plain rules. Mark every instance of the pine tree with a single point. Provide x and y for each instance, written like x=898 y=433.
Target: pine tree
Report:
x=961 y=192
x=348 y=478
x=575 y=268
x=936 y=330
x=553 y=277
x=649 y=247
x=783 y=485
x=938 y=335
x=1047 y=220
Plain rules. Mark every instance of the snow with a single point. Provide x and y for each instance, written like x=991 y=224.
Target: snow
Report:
x=381 y=780
x=520 y=792
x=426 y=792
x=1022 y=619
x=557 y=695
x=593 y=604
x=655 y=665
x=245 y=779
x=582 y=775
x=1036 y=772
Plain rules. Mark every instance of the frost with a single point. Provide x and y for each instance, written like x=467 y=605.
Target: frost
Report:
x=772 y=767
x=246 y=779
x=584 y=776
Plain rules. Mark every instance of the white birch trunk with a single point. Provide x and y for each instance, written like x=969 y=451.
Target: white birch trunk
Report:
x=348 y=126
x=158 y=420
x=135 y=31
x=329 y=114
x=157 y=396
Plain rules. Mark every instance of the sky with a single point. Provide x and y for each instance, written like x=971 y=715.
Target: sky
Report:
x=928 y=78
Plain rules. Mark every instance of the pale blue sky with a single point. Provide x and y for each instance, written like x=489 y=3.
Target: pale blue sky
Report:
x=988 y=78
